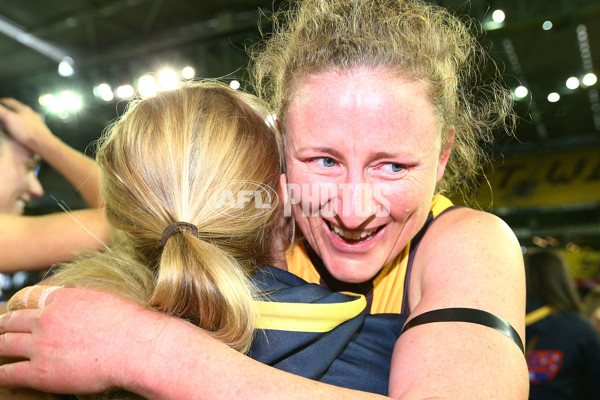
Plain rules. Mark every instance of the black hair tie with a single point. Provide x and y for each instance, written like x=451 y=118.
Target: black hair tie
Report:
x=178 y=226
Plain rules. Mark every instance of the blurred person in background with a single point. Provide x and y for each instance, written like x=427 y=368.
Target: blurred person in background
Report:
x=562 y=349
x=29 y=243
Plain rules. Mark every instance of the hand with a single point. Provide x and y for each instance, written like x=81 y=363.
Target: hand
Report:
x=83 y=341
x=24 y=125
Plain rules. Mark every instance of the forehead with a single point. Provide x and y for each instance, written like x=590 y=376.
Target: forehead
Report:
x=10 y=148
x=361 y=103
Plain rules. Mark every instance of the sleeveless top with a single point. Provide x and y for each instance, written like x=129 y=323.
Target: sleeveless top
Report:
x=387 y=292
x=341 y=339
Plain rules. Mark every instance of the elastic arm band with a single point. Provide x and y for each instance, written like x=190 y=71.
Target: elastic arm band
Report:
x=471 y=315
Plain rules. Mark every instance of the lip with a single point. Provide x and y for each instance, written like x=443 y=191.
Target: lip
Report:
x=353 y=248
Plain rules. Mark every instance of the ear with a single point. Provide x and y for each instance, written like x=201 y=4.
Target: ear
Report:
x=282 y=189
x=445 y=153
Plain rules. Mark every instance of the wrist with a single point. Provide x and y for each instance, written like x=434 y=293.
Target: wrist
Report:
x=169 y=369
x=146 y=368
x=45 y=143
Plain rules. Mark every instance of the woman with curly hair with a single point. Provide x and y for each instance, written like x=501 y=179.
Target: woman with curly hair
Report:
x=383 y=112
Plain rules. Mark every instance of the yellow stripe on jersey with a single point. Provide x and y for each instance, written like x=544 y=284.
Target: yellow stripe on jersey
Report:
x=307 y=317
x=538 y=315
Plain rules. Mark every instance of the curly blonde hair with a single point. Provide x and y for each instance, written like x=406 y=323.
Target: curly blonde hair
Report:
x=409 y=38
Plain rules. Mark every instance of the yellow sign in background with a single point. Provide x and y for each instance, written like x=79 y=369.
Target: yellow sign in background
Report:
x=544 y=180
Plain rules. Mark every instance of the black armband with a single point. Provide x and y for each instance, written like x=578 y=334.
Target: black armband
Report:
x=471 y=315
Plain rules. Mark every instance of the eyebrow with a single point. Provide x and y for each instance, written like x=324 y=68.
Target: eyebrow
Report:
x=383 y=154
x=328 y=150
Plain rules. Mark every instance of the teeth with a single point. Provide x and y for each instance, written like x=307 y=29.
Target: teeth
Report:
x=343 y=234
x=20 y=203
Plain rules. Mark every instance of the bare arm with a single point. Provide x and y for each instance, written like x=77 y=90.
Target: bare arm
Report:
x=29 y=243
x=27 y=127
x=442 y=360
x=37 y=242
x=467 y=259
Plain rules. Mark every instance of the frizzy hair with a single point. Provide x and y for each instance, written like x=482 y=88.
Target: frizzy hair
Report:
x=406 y=38
x=181 y=156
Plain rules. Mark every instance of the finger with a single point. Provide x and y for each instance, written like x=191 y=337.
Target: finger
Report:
x=31 y=297
x=18 y=321
x=15 y=374
x=12 y=104
x=15 y=345
x=4 y=111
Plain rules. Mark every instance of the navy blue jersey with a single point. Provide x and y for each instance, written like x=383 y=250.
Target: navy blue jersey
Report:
x=323 y=335
x=563 y=356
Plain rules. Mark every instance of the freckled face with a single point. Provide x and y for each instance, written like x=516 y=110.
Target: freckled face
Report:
x=18 y=181
x=363 y=156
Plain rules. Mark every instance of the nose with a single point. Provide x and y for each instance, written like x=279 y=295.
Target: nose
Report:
x=356 y=203
x=35 y=186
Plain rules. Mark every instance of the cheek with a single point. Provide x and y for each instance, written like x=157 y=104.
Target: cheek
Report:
x=308 y=189
x=400 y=199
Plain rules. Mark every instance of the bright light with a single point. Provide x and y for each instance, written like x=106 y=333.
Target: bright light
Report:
x=572 y=83
x=71 y=101
x=168 y=79
x=54 y=104
x=553 y=97
x=235 y=85
x=147 y=86
x=498 y=16
x=45 y=99
x=188 y=73
x=547 y=25
x=589 y=79
x=104 y=92
x=125 y=91
x=65 y=67
x=521 y=92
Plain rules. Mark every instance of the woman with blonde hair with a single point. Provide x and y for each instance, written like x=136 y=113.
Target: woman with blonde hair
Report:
x=196 y=219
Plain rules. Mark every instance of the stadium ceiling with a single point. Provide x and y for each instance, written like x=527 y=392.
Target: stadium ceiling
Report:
x=116 y=41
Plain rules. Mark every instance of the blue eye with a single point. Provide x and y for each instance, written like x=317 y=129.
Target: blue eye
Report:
x=327 y=162
x=395 y=167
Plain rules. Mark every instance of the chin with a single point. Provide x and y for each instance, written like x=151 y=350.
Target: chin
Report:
x=352 y=272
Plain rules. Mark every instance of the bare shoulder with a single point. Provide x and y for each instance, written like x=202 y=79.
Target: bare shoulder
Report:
x=467 y=259
x=469 y=235
x=470 y=258
x=469 y=223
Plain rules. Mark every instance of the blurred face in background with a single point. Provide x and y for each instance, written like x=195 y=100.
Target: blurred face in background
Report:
x=18 y=177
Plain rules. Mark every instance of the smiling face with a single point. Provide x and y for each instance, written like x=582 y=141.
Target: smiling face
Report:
x=19 y=182
x=363 y=155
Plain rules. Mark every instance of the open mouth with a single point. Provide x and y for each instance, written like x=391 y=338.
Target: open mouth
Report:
x=353 y=237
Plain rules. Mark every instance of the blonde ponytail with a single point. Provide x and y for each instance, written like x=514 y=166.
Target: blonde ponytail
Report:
x=204 y=155
x=202 y=283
